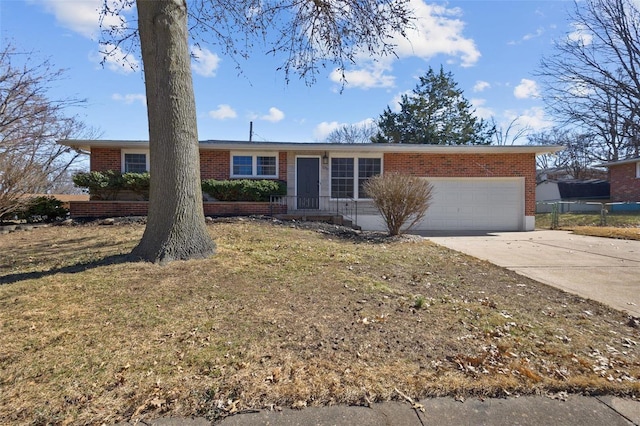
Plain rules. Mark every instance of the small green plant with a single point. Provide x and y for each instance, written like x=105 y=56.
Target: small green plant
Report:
x=419 y=302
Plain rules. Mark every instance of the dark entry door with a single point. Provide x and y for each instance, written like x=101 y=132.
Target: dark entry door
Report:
x=308 y=183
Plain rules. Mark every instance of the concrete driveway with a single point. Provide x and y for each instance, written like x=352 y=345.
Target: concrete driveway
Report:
x=602 y=269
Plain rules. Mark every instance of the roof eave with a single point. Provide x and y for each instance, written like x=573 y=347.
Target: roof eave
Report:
x=87 y=145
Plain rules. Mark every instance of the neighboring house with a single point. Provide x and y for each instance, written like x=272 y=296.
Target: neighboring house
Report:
x=488 y=188
x=565 y=173
x=572 y=195
x=624 y=177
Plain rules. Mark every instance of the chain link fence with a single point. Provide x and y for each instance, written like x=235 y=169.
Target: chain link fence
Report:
x=561 y=214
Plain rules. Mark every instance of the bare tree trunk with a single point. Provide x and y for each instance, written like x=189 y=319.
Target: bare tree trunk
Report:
x=175 y=225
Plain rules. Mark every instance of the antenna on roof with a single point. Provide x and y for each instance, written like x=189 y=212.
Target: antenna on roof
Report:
x=251 y=131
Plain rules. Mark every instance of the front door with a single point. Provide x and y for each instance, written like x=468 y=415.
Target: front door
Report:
x=308 y=183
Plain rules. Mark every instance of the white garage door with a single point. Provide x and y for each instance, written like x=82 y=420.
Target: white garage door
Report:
x=482 y=204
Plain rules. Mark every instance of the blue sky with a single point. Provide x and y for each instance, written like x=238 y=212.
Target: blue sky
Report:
x=492 y=48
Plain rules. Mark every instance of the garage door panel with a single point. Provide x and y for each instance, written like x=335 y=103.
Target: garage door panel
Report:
x=475 y=204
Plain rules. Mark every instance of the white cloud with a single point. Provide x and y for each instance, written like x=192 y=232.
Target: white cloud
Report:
x=533 y=118
x=130 y=98
x=116 y=59
x=223 y=112
x=205 y=62
x=374 y=77
x=535 y=34
x=81 y=16
x=526 y=89
x=395 y=102
x=580 y=34
x=274 y=115
x=481 y=86
x=481 y=110
x=437 y=30
x=323 y=129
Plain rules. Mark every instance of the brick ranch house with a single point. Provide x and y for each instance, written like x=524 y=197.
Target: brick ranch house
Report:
x=480 y=188
x=624 y=180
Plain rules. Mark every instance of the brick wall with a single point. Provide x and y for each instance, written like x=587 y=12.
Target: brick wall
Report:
x=624 y=184
x=103 y=159
x=140 y=208
x=215 y=165
x=469 y=165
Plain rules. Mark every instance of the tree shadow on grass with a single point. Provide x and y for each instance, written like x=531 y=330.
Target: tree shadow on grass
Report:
x=70 y=269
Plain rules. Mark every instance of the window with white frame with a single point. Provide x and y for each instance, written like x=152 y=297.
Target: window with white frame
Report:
x=638 y=170
x=135 y=162
x=254 y=165
x=349 y=174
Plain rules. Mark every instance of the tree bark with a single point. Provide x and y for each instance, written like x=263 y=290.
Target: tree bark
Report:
x=176 y=227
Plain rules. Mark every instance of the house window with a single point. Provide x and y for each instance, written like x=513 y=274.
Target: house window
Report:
x=135 y=162
x=367 y=168
x=345 y=183
x=265 y=166
x=243 y=165
x=342 y=178
x=638 y=169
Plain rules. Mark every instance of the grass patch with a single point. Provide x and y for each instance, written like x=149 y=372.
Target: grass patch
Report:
x=618 y=225
x=282 y=316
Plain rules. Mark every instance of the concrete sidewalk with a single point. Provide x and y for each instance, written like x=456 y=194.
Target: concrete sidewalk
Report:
x=602 y=269
x=525 y=411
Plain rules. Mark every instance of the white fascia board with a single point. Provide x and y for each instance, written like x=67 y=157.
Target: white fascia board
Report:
x=329 y=147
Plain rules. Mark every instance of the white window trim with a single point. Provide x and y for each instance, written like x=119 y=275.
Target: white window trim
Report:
x=254 y=164
x=133 y=151
x=356 y=158
x=638 y=170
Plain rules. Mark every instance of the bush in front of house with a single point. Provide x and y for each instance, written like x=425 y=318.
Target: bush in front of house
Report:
x=402 y=199
x=137 y=182
x=106 y=185
x=102 y=185
x=243 y=189
x=43 y=208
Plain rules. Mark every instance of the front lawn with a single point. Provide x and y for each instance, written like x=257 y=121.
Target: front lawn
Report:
x=283 y=316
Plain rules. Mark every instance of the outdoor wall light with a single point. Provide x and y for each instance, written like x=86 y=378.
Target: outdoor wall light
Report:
x=325 y=158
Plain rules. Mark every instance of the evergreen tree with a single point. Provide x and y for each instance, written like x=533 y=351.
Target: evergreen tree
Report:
x=435 y=113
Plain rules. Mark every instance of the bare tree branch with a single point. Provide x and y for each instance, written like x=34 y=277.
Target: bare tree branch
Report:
x=31 y=123
x=592 y=82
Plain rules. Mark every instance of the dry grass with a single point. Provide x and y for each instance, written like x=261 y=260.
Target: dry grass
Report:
x=625 y=226
x=282 y=317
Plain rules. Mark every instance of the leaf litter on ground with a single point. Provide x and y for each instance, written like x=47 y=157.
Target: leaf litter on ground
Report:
x=286 y=314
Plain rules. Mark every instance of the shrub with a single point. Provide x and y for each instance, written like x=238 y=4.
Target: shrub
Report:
x=138 y=183
x=106 y=185
x=102 y=185
x=402 y=200
x=243 y=189
x=42 y=208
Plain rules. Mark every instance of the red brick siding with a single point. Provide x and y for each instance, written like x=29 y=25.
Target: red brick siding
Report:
x=215 y=165
x=282 y=166
x=103 y=159
x=624 y=184
x=140 y=208
x=469 y=165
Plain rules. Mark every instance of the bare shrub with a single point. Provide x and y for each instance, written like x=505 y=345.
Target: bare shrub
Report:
x=402 y=199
